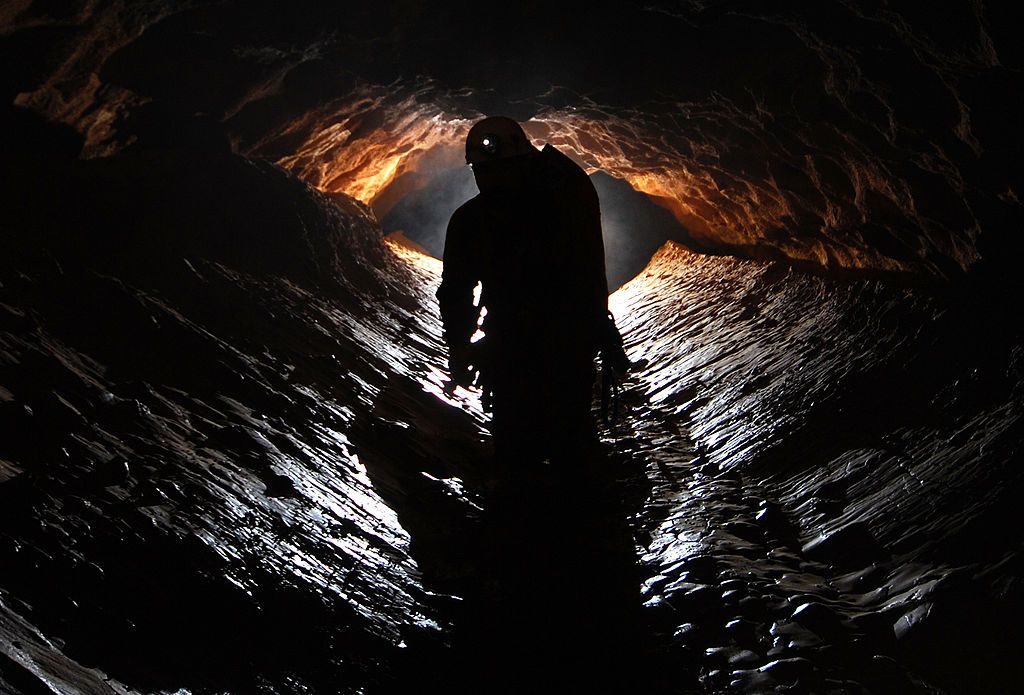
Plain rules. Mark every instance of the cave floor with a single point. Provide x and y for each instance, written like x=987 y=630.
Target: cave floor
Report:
x=556 y=581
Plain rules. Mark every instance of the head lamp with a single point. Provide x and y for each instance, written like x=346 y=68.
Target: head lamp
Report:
x=494 y=139
x=489 y=144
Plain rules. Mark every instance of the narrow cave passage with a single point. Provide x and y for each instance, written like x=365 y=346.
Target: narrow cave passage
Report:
x=309 y=483
x=229 y=459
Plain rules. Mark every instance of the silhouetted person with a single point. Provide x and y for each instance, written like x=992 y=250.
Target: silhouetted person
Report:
x=532 y=240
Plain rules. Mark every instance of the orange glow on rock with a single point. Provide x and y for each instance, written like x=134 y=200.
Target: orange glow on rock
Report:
x=379 y=146
x=362 y=146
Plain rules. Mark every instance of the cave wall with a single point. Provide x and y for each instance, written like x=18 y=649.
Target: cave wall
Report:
x=840 y=135
x=207 y=385
x=841 y=462
x=216 y=379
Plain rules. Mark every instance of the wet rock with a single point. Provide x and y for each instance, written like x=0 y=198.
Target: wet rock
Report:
x=741 y=631
x=791 y=635
x=277 y=485
x=124 y=414
x=850 y=546
x=662 y=612
x=819 y=618
x=716 y=677
x=789 y=671
x=743 y=657
x=729 y=655
x=754 y=608
x=784 y=555
x=697 y=602
x=681 y=587
x=731 y=584
x=772 y=519
x=700 y=567
x=153 y=492
x=731 y=597
x=753 y=682
x=860 y=581
x=653 y=584
x=912 y=620
x=830 y=498
x=113 y=471
x=877 y=624
x=746 y=531
x=241 y=440
x=687 y=632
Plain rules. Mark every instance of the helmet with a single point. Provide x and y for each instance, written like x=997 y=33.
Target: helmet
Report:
x=496 y=138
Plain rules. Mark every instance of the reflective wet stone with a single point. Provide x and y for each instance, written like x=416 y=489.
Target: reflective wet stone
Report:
x=732 y=595
x=741 y=631
x=114 y=471
x=753 y=682
x=819 y=618
x=753 y=607
x=852 y=545
x=911 y=620
x=743 y=657
x=686 y=632
x=773 y=520
x=789 y=670
x=792 y=635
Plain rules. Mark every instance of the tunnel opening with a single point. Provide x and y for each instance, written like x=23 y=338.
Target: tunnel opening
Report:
x=416 y=206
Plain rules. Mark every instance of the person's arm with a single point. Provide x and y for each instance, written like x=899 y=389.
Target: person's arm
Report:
x=455 y=295
x=609 y=340
x=595 y=249
x=585 y=210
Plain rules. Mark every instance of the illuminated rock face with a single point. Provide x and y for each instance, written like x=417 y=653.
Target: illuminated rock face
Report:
x=227 y=462
x=835 y=463
x=843 y=136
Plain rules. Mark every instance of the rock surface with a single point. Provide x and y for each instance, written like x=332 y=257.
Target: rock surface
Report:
x=228 y=459
x=229 y=463
x=835 y=461
x=847 y=135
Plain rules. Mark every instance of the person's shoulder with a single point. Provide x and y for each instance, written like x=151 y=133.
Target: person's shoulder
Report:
x=561 y=161
x=468 y=210
x=567 y=173
x=466 y=218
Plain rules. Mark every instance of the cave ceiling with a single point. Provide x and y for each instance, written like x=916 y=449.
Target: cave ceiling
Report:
x=840 y=135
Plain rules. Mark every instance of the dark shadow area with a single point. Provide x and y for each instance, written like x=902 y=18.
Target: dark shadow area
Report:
x=634 y=225
x=557 y=606
x=539 y=575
